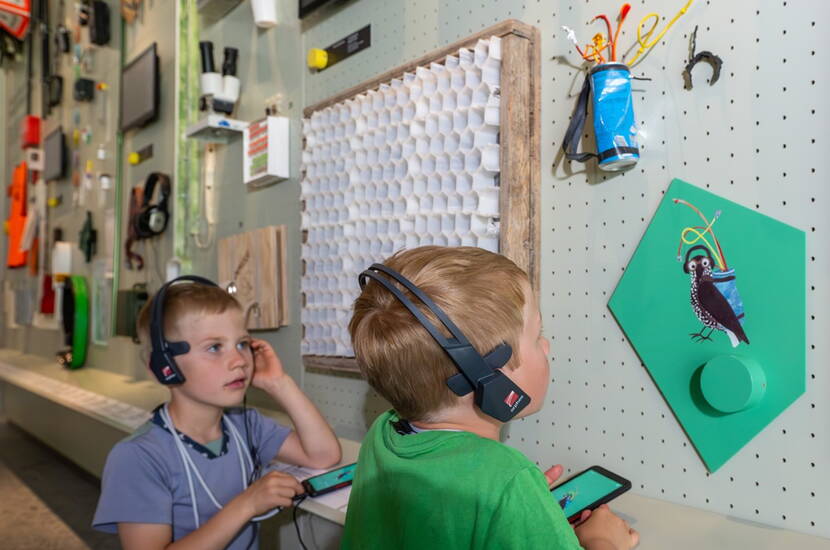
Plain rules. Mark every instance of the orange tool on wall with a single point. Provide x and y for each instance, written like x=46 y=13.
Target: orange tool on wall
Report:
x=15 y=16
x=17 y=216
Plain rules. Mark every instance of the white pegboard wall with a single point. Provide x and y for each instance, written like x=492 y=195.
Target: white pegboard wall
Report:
x=758 y=137
x=346 y=401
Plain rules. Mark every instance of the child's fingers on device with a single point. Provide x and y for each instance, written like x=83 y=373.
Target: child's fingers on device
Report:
x=635 y=537
x=283 y=479
x=283 y=484
x=622 y=526
x=274 y=489
x=553 y=474
x=604 y=524
x=581 y=519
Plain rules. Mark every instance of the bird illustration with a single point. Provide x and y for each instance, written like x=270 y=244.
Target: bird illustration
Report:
x=567 y=499
x=709 y=305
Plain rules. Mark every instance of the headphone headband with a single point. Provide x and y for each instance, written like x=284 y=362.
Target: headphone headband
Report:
x=495 y=394
x=150 y=187
x=689 y=252
x=162 y=354
x=698 y=247
x=458 y=336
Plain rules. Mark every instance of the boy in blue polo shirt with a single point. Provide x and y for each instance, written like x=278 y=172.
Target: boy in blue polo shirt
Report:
x=201 y=488
x=432 y=472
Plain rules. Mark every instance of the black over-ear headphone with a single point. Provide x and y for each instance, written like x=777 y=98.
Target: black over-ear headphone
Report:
x=161 y=357
x=495 y=394
x=152 y=219
x=689 y=252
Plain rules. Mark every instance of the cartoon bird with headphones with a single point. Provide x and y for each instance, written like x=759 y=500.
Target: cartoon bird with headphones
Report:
x=188 y=477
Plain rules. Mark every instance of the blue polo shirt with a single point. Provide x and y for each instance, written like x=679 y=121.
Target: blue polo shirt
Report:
x=144 y=480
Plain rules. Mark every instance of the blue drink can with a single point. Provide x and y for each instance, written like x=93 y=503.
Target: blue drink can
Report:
x=614 y=126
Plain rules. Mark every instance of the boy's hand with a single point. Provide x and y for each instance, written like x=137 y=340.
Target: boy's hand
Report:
x=553 y=475
x=268 y=371
x=605 y=530
x=272 y=490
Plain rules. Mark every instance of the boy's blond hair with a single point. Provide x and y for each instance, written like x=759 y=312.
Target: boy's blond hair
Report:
x=483 y=294
x=181 y=299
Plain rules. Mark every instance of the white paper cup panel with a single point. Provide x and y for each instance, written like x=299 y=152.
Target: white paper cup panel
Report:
x=414 y=162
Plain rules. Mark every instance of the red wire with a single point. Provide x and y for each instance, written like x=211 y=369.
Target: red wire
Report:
x=607 y=26
x=623 y=13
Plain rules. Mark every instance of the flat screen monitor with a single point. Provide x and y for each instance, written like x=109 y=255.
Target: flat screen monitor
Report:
x=54 y=152
x=308 y=6
x=140 y=90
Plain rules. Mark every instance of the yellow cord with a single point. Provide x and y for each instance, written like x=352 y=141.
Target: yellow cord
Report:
x=701 y=237
x=643 y=41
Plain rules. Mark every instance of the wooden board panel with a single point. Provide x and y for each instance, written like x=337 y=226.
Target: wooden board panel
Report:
x=519 y=197
x=255 y=263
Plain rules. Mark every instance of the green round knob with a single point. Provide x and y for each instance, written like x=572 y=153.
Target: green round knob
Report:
x=732 y=384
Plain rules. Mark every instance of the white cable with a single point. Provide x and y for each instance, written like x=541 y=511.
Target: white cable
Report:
x=192 y=490
x=189 y=460
x=571 y=35
x=165 y=415
x=238 y=438
x=189 y=464
x=241 y=463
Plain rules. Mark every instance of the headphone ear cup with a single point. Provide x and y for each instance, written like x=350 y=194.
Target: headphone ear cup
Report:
x=165 y=369
x=156 y=220
x=498 y=396
x=150 y=221
x=140 y=223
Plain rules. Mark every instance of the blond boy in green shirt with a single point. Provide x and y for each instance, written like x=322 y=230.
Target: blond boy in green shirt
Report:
x=432 y=472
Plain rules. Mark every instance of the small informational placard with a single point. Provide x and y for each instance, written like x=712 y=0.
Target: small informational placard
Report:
x=265 y=151
x=345 y=47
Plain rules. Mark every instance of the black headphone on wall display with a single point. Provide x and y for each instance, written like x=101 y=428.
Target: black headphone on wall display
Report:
x=151 y=219
x=162 y=364
x=495 y=393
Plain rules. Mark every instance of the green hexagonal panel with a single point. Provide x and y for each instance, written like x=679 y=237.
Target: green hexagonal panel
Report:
x=723 y=395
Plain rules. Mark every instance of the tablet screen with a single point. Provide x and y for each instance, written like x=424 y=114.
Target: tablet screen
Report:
x=583 y=490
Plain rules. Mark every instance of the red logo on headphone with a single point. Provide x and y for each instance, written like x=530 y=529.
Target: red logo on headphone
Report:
x=511 y=399
x=167 y=371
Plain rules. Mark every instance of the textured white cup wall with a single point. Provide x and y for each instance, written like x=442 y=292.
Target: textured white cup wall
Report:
x=411 y=163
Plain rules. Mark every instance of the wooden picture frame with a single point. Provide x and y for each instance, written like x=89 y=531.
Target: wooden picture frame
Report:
x=520 y=131
x=255 y=263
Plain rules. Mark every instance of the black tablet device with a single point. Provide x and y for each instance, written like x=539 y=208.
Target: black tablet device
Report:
x=588 y=490
x=330 y=481
x=140 y=90
x=54 y=156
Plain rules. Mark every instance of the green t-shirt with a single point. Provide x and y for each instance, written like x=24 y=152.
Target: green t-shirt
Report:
x=449 y=490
